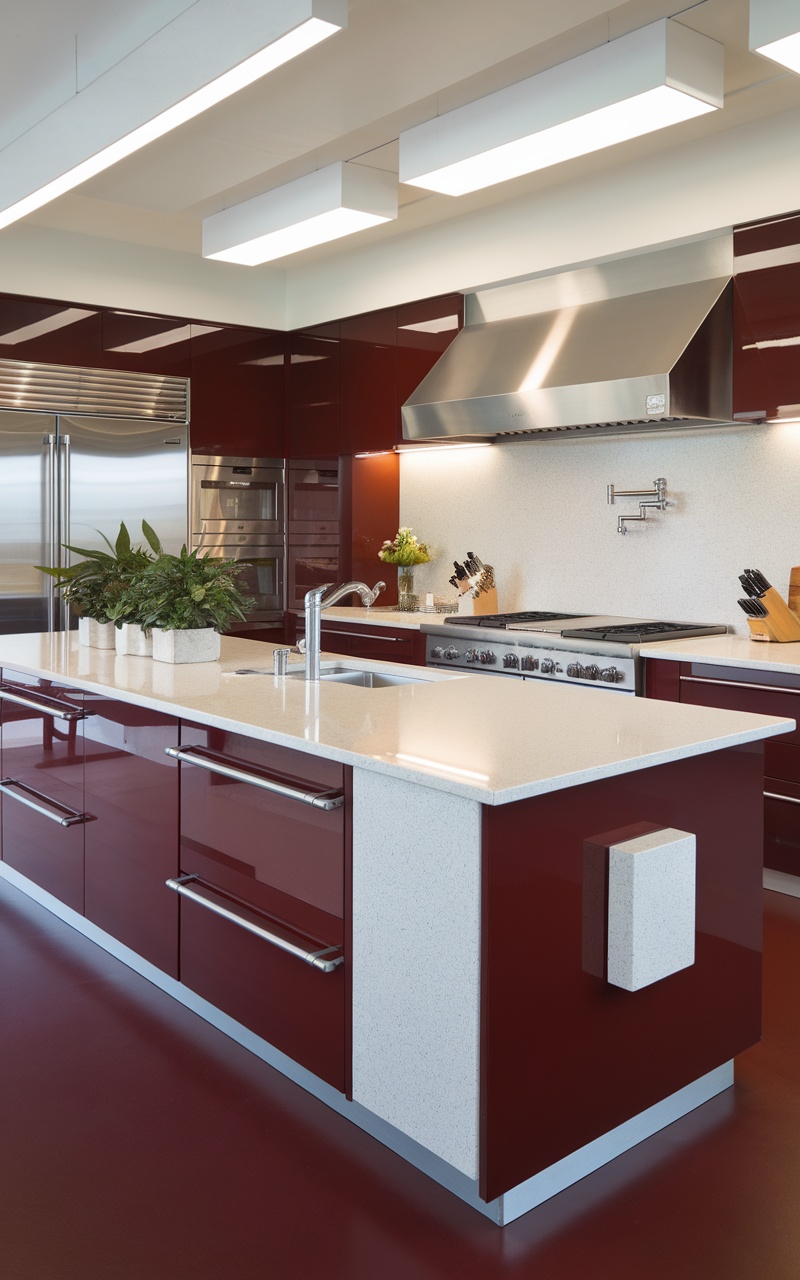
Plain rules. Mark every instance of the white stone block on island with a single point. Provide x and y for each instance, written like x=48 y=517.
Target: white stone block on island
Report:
x=651 y=907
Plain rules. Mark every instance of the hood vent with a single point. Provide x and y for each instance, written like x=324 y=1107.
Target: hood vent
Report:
x=644 y=362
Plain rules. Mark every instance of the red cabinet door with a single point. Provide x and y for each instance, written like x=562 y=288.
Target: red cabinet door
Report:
x=275 y=863
x=368 y=382
x=313 y=393
x=766 y=317
x=424 y=330
x=132 y=846
x=237 y=390
x=41 y=766
x=380 y=644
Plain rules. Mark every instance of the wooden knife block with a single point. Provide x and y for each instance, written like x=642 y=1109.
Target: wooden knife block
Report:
x=475 y=606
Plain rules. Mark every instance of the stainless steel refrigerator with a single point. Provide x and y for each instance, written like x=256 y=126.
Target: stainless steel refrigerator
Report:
x=67 y=479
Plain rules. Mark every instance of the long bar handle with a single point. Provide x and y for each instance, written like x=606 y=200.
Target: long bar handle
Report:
x=72 y=820
x=775 y=795
x=52 y=509
x=325 y=800
x=740 y=684
x=57 y=712
x=326 y=959
x=361 y=635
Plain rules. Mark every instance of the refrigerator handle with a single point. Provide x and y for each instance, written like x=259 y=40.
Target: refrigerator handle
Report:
x=65 y=489
x=52 y=533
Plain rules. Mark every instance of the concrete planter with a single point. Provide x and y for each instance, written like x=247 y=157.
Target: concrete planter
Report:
x=97 y=635
x=132 y=640
x=186 y=646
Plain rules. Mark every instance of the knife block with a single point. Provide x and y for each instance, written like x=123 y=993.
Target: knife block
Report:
x=476 y=606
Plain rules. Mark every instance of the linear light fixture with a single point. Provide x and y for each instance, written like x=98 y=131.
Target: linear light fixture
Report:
x=322 y=206
x=296 y=39
x=775 y=31
x=654 y=77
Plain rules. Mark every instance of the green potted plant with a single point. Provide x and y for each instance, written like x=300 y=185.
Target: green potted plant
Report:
x=96 y=587
x=405 y=551
x=187 y=600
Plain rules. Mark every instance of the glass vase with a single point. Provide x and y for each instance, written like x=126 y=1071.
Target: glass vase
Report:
x=406 y=599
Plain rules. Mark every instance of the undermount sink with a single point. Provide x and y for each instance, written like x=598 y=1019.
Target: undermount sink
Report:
x=358 y=676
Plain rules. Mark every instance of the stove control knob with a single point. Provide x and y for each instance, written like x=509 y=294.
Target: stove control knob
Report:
x=591 y=672
x=510 y=660
x=612 y=675
x=529 y=664
x=487 y=657
x=575 y=670
x=451 y=653
x=472 y=655
x=547 y=666
x=437 y=652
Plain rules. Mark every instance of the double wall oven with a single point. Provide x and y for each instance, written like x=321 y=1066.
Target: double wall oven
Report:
x=238 y=513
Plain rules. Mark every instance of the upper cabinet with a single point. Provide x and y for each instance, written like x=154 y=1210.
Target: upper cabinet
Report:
x=424 y=330
x=50 y=332
x=313 y=392
x=369 y=382
x=147 y=344
x=237 y=390
x=766 y=367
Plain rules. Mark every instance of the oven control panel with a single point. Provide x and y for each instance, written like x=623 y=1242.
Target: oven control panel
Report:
x=534 y=662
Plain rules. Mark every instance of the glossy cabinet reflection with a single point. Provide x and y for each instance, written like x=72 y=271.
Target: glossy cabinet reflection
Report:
x=277 y=862
x=766 y=372
x=132 y=846
x=41 y=771
x=703 y=685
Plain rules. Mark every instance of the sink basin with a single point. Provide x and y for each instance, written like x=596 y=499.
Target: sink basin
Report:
x=358 y=676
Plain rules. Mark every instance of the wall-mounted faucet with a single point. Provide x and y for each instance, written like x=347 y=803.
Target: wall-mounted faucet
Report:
x=655 y=497
x=315 y=604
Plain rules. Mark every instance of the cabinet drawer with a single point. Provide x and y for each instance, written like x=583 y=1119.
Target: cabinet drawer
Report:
x=298 y=1009
x=782 y=758
x=41 y=766
x=377 y=644
x=132 y=846
x=737 y=692
x=252 y=842
x=782 y=826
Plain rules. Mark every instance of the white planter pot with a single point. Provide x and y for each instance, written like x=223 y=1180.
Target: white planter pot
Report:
x=186 y=646
x=131 y=640
x=98 y=635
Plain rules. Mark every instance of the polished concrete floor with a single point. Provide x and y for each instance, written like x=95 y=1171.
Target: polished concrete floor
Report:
x=137 y=1143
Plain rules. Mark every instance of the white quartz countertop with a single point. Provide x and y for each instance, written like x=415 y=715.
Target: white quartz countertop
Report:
x=487 y=738
x=729 y=651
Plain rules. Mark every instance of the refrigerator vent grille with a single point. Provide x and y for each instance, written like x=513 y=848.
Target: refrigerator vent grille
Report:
x=100 y=393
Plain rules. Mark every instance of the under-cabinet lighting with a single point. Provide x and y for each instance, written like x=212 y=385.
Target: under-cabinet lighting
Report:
x=657 y=76
x=287 y=46
x=325 y=205
x=60 y=320
x=775 y=31
x=410 y=447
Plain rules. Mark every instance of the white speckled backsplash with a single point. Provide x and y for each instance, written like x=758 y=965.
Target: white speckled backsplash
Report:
x=538 y=512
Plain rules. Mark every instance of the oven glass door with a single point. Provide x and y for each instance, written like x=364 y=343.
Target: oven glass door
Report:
x=311 y=565
x=261 y=574
x=242 y=499
x=313 y=497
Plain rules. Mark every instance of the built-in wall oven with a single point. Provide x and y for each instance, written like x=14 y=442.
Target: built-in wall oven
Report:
x=238 y=513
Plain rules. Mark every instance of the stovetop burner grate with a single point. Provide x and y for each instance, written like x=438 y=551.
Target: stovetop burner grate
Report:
x=633 y=633
x=503 y=619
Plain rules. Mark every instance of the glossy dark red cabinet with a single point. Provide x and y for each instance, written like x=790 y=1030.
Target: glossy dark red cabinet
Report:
x=238 y=386
x=368 y=382
x=766 y=371
x=132 y=846
x=41 y=762
x=50 y=332
x=313 y=410
x=282 y=860
x=147 y=344
x=566 y=1057
x=380 y=644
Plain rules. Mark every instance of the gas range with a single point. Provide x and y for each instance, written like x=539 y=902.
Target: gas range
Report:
x=577 y=649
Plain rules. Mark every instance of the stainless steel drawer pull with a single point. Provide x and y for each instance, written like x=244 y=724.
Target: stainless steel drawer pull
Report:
x=65 y=713
x=739 y=684
x=71 y=820
x=322 y=800
x=361 y=635
x=326 y=959
x=775 y=795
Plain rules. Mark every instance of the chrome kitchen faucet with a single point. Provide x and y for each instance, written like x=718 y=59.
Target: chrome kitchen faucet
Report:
x=315 y=604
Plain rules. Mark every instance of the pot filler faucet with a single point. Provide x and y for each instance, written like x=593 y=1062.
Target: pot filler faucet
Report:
x=314 y=606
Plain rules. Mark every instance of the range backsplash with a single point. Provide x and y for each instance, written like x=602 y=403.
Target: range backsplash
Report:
x=538 y=512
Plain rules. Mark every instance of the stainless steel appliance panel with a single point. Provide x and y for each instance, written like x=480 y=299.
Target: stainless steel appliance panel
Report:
x=262 y=575
x=116 y=470
x=311 y=564
x=242 y=495
x=27 y=520
x=312 y=498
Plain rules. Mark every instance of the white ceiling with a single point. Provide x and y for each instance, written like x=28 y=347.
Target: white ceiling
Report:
x=397 y=64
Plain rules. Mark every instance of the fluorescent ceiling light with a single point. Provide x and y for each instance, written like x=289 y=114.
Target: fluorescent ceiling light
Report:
x=775 y=31
x=59 y=320
x=287 y=46
x=166 y=338
x=654 y=77
x=322 y=206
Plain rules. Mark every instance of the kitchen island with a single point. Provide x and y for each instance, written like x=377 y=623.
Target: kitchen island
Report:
x=530 y=916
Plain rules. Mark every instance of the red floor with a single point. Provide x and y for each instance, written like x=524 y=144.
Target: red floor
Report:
x=137 y=1143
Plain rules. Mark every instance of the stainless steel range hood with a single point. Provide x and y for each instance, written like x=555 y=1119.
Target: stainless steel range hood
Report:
x=639 y=363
